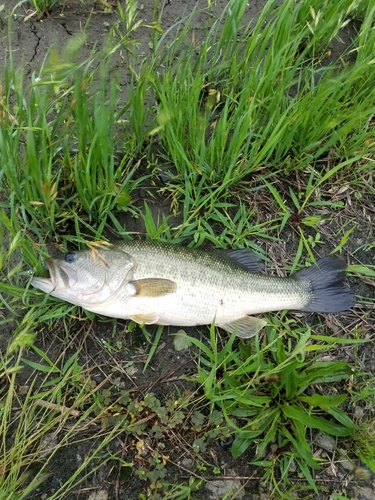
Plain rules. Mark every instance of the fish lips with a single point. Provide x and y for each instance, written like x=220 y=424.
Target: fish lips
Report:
x=61 y=277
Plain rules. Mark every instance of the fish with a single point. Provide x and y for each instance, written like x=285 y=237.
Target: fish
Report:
x=152 y=282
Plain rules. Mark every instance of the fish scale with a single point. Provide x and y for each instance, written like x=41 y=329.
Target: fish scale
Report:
x=213 y=279
x=158 y=283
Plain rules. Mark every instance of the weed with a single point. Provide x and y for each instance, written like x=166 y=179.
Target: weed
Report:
x=246 y=123
x=364 y=444
x=269 y=395
x=33 y=434
x=43 y=6
x=67 y=392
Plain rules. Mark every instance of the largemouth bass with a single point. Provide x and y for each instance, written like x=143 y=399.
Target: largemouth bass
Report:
x=164 y=284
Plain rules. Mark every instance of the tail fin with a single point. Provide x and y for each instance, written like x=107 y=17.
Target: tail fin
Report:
x=324 y=283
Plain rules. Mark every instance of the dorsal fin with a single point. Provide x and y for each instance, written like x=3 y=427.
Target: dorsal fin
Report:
x=244 y=258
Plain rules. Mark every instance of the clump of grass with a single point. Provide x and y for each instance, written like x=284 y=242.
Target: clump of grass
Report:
x=69 y=159
x=43 y=6
x=33 y=418
x=59 y=149
x=274 y=394
x=364 y=444
x=220 y=121
x=61 y=401
x=237 y=115
x=265 y=102
x=40 y=7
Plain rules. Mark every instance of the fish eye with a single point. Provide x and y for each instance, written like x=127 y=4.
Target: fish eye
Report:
x=70 y=257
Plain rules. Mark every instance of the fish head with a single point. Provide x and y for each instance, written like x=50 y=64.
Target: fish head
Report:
x=86 y=278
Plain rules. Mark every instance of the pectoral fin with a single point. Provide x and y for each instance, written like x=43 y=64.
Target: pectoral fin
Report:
x=152 y=287
x=245 y=327
x=145 y=319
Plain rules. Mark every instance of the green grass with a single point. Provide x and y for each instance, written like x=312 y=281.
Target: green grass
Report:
x=38 y=414
x=62 y=406
x=41 y=8
x=250 y=135
x=274 y=394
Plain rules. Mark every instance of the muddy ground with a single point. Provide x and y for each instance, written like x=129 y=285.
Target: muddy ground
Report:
x=31 y=38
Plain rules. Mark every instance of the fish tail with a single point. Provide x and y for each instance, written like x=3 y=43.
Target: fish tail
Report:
x=324 y=283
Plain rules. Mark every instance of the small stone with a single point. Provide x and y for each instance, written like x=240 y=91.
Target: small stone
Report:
x=131 y=370
x=119 y=381
x=99 y=495
x=346 y=464
x=359 y=412
x=49 y=442
x=360 y=493
x=332 y=470
x=219 y=488
x=325 y=442
x=187 y=463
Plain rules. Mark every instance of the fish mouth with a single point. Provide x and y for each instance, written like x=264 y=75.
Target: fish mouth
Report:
x=61 y=277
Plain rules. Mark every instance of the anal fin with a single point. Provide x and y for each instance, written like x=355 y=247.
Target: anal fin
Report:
x=245 y=327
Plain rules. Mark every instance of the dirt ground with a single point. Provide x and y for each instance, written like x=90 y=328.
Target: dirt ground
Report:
x=31 y=39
